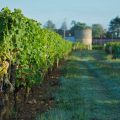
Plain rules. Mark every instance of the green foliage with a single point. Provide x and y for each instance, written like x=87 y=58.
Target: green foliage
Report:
x=114 y=27
x=33 y=48
x=77 y=26
x=79 y=46
x=50 y=25
x=97 y=47
x=113 y=48
x=97 y=31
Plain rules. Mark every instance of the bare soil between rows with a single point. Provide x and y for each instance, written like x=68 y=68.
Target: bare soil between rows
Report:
x=39 y=101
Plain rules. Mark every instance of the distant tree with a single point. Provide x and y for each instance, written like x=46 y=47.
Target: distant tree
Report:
x=64 y=28
x=98 y=31
x=114 y=27
x=73 y=23
x=60 y=32
x=108 y=34
x=77 y=26
x=50 y=25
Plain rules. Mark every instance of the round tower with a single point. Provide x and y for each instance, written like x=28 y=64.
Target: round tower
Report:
x=84 y=36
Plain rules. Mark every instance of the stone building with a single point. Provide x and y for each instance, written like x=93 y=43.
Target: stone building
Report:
x=84 y=36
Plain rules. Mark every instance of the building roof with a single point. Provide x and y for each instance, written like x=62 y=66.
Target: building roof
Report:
x=71 y=38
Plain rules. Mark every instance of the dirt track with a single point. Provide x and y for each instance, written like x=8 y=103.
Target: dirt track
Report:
x=90 y=89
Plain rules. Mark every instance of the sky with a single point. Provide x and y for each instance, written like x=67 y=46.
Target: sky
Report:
x=87 y=11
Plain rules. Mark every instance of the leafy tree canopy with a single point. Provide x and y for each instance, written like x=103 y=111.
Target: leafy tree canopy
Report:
x=50 y=25
x=98 y=31
x=77 y=26
x=114 y=27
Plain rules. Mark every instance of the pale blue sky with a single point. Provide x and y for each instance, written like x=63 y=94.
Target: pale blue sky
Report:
x=88 y=11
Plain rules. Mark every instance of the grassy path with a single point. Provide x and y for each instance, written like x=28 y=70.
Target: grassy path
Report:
x=90 y=89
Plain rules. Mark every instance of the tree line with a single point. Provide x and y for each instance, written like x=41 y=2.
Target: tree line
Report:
x=98 y=30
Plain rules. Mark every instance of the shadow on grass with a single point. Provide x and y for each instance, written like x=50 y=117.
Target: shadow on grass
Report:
x=85 y=92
